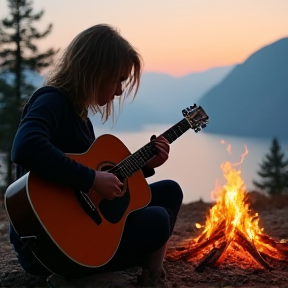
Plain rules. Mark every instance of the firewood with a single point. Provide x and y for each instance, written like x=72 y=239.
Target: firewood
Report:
x=267 y=240
x=212 y=256
x=250 y=248
x=266 y=256
x=282 y=248
x=188 y=253
x=220 y=227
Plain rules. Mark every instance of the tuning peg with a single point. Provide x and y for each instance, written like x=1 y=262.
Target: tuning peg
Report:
x=184 y=112
x=193 y=107
x=203 y=125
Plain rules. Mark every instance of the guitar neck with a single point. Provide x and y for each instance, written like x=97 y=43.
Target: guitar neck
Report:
x=176 y=131
x=137 y=160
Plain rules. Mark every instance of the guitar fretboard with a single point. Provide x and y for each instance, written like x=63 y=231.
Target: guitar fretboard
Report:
x=137 y=160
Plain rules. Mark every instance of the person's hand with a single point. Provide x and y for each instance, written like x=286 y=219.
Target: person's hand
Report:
x=163 y=148
x=107 y=185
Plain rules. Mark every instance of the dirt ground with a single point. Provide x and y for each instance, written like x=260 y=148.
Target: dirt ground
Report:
x=234 y=272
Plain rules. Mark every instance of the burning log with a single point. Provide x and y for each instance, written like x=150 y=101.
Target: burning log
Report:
x=271 y=258
x=212 y=257
x=267 y=240
x=278 y=253
x=188 y=253
x=279 y=246
x=250 y=248
x=214 y=234
x=273 y=250
x=282 y=248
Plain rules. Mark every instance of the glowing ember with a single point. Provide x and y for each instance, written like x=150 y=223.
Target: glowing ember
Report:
x=230 y=224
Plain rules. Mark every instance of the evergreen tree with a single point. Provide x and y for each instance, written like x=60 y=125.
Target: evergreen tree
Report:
x=18 y=55
x=6 y=113
x=5 y=124
x=273 y=171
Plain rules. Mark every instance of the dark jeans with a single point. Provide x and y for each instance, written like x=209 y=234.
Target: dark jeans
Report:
x=145 y=231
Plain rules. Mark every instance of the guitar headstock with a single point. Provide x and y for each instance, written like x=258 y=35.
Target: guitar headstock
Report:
x=196 y=116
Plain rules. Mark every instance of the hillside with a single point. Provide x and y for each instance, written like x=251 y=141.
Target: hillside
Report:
x=161 y=98
x=252 y=100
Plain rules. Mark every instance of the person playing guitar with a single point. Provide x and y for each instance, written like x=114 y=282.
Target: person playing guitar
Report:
x=96 y=67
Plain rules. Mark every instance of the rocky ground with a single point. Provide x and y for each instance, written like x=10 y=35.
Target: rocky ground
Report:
x=233 y=273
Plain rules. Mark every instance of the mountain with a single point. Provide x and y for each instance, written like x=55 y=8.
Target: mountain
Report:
x=252 y=100
x=161 y=98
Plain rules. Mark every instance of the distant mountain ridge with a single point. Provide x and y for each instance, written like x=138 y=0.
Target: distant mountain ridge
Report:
x=161 y=98
x=252 y=100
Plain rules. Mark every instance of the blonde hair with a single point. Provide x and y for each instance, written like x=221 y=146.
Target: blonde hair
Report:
x=96 y=54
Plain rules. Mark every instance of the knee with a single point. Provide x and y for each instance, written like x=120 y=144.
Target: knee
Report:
x=160 y=223
x=175 y=190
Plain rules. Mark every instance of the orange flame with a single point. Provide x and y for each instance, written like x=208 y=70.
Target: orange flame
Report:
x=231 y=206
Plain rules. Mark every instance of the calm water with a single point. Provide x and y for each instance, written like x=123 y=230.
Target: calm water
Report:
x=195 y=159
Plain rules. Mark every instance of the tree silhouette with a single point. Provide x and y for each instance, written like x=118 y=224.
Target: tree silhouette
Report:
x=273 y=171
x=5 y=124
x=18 y=55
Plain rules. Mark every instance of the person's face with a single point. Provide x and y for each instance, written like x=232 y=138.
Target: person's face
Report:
x=110 y=88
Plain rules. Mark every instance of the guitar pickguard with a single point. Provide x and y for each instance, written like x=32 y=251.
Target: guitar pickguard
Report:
x=113 y=210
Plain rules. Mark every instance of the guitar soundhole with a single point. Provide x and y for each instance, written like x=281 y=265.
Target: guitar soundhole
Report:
x=109 y=166
x=113 y=210
x=105 y=166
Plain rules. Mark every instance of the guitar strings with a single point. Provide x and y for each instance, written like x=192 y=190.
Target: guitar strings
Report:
x=137 y=160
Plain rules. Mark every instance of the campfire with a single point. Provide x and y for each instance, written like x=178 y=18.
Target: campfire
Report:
x=231 y=228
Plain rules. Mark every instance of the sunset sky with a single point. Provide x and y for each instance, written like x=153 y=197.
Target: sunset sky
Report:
x=176 y=37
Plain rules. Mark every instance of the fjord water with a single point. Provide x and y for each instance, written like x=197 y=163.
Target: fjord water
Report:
x=195 y=159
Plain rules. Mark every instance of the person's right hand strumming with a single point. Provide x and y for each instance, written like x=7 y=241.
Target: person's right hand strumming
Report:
x=107 y=185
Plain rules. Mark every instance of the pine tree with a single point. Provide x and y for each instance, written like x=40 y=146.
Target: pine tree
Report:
x=18 y=55
x=273 y=171
x=5 y=120
x=7 y=106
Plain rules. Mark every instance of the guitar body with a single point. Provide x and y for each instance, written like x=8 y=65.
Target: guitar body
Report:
x=61 y=233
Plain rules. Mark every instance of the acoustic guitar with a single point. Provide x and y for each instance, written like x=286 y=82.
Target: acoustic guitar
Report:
x=72 y=234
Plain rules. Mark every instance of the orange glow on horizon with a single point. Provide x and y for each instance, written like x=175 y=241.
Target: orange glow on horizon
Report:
x=173 y=37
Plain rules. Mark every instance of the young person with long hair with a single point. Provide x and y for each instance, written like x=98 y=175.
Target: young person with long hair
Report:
x=97 y=66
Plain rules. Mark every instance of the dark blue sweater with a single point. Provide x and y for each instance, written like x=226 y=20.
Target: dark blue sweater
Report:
x=49 y=127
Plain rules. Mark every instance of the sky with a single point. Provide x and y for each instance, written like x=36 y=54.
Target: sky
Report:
x=176 y=37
